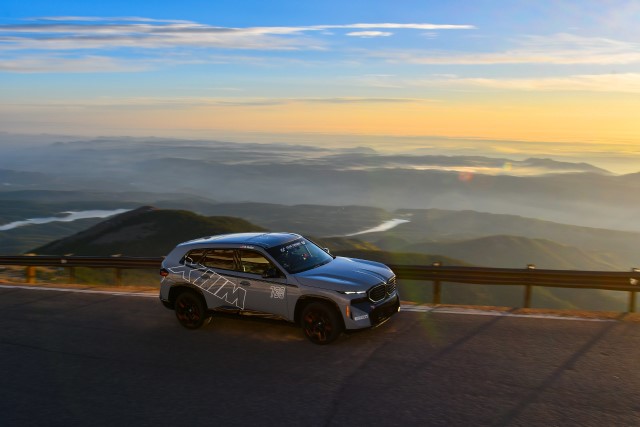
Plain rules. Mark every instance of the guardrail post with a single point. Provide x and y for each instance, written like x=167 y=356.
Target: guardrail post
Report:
x=632 y=294
x=30 y=274
x=437 y=292
x=527 y=288
x=437 y=289
x=527 y=296
x=118 y=277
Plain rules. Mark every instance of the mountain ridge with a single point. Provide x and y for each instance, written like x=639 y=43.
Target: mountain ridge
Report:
x=146 y=231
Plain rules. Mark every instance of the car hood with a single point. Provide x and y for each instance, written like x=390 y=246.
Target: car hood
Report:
x=345 y=274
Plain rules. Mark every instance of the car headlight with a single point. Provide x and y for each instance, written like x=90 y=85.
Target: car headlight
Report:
x=353 y=292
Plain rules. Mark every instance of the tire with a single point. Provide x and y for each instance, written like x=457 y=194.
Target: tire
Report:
x=191 y=310
x=320 y=323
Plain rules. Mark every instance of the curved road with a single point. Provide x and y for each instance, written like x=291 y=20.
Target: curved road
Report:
x=69 y=358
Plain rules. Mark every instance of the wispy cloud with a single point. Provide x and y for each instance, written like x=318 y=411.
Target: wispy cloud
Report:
x=112 y=44
x=73 y=33
x=191 y=101
x=626 y=83
x=401 y=26
x=607 y=82
x=59 y=64
x=103 y=19
x=367 y=34
x=557 y=49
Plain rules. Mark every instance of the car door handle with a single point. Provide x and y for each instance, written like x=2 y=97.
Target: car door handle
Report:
x=245 y=283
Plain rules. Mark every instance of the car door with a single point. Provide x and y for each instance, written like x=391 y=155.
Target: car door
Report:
x=218 y=268
x=267 y=295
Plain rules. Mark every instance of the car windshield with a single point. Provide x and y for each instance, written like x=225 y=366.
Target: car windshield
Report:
x=299 y=255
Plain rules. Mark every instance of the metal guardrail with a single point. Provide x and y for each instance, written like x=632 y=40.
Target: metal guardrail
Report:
x=72 y=262
x=527 y=277
x=81 y=261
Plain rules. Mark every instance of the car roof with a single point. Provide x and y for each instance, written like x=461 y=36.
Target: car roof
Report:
x=264 y=240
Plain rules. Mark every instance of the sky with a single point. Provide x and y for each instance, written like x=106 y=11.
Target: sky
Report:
x=546 y=77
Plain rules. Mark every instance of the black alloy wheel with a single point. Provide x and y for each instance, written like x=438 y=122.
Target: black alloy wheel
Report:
x=191 y=310
x=320 y=323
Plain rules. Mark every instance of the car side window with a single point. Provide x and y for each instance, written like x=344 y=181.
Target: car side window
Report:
x=219 y=258
x=253 y=262
x=193 y=257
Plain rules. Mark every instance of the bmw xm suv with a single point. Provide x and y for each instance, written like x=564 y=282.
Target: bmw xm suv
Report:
x=279 y=274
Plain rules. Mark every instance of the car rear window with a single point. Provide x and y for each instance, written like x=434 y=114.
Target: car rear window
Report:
x=193 y=257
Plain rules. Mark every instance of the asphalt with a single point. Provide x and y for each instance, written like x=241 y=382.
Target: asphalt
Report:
x=71 y=359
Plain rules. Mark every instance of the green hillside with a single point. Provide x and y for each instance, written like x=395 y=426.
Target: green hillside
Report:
x=22 y=239
x=145 y=232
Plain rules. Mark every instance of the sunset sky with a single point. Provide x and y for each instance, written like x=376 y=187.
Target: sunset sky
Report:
x=507 y=77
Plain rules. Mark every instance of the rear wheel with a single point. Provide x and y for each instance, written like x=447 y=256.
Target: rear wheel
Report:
x=191 y=310
x=320 y=323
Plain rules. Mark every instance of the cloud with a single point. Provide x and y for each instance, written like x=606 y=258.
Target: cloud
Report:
x=560 y=49
x=57 y=64
x=65 y=36
x=188 y=102
x=137 y=43
x=102 y=19
x=625 y=83
x=402 y=26
x=606 y=82
x=73 y=33
x=368 y=34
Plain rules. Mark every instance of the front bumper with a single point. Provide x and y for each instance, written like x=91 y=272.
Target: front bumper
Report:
x=366 y=314
x=383 y=312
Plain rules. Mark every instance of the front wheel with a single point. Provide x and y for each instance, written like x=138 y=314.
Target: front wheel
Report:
x=320 y=323
x=191 y=310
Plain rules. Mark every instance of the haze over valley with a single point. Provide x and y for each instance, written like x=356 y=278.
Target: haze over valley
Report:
x=572 y=193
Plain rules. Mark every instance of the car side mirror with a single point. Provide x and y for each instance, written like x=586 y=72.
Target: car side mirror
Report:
x=271 y=273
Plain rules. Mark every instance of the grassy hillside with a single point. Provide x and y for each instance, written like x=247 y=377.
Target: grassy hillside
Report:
x=145 y=231
x=23 y=239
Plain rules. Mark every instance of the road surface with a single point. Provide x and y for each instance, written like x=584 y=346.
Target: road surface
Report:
x=69 y=358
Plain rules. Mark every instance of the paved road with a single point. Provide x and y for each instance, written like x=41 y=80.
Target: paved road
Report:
x=94 y=359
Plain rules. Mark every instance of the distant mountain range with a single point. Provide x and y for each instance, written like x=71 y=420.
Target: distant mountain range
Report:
x=500 y=240
x=571 y=193
x=154 y=232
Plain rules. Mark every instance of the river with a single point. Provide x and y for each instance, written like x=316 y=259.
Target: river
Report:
x=68 y=217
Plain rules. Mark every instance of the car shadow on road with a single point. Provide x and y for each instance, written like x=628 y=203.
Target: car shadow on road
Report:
x=512 y=415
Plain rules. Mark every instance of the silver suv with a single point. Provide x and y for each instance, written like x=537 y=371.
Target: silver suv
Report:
x=281 y=274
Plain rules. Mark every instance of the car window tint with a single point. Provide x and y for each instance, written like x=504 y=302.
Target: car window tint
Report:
x=193 y=257
x=253 y=262
x=219 y=258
